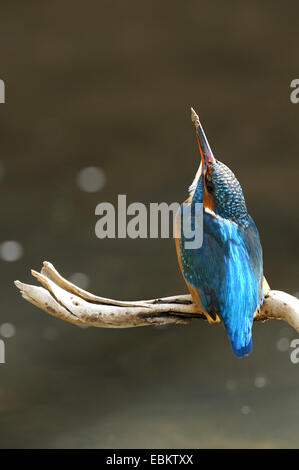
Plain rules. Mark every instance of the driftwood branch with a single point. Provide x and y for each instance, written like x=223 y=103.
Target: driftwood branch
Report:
x=64 y=300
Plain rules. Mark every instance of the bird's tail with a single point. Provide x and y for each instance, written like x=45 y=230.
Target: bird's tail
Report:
x=241 y=344
x=243 y=350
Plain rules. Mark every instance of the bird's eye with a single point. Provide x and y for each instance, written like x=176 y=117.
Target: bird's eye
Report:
x=209 y=183
x=210 y=186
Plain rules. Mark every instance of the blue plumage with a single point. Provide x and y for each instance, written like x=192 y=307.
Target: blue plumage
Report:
x=224 y=275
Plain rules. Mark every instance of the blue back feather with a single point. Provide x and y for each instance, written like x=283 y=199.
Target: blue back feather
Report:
x=227 y=273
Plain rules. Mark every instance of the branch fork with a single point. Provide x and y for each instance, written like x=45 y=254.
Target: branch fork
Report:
x=62 y=299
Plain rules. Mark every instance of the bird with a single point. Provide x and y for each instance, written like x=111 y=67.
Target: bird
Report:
x=225 y=274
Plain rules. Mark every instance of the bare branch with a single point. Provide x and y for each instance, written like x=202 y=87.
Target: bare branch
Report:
x=64 y=300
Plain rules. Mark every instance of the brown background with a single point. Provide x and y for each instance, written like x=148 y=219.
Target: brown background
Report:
x=110 y=84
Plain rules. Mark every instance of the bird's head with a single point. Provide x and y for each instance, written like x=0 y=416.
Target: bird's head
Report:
x=215 y=185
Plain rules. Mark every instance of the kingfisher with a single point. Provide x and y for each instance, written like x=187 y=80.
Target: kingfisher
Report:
x=225 y=274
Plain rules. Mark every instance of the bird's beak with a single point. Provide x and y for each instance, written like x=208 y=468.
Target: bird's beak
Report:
x=206 y=153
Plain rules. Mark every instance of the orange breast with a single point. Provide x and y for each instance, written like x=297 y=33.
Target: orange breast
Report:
x=207 y=200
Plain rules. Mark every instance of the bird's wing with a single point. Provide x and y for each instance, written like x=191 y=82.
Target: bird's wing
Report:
x=253 y=245
x=225 y=273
